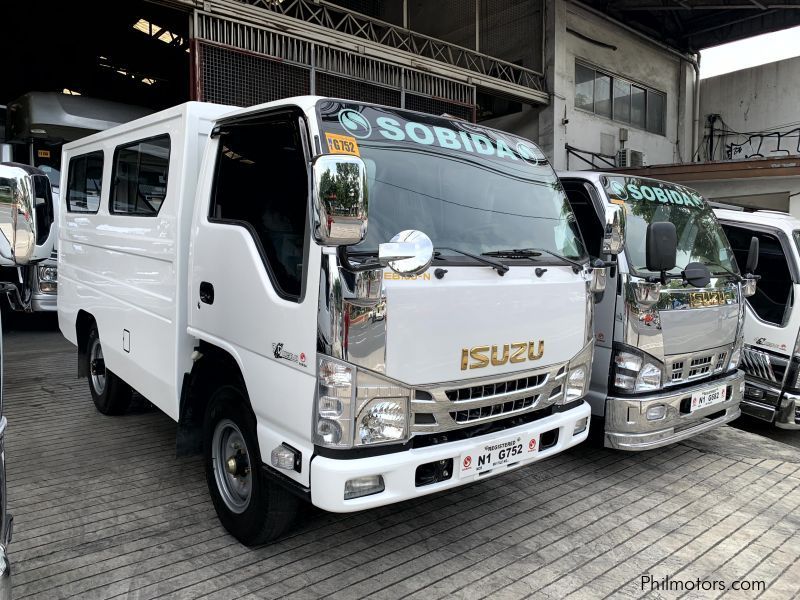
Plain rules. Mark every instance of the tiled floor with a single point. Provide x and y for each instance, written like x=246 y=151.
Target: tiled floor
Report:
x=104 y=509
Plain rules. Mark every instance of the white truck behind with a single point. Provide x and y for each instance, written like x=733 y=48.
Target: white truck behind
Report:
x=771 y=354
x=229 y=274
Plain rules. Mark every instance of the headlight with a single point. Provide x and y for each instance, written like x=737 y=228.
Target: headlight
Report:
x=356 y=407
x=578 y=375
x=48 y=273
x=576 y=383
x=635 y=371
x=382 y=420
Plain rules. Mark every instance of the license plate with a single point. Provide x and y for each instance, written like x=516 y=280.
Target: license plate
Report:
x=707 y=398
x=498 y=453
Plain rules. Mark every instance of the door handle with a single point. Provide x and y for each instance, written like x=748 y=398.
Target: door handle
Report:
x=206 y=292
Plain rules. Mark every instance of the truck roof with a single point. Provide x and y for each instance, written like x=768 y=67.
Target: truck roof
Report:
x=771 y=218
x=223 y=112
x=187 y=109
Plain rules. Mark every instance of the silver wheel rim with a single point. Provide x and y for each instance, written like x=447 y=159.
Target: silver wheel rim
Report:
x=230 y=459
x=98 y=375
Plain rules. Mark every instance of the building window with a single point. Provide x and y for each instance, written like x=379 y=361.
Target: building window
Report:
x=84 y=182
x=140 y=177
x=619 y=99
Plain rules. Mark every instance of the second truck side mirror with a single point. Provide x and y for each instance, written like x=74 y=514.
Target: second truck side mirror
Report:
x=26 y=214
x=750 y=278
x=340 y=200
x=661 y=247
x=752 y=256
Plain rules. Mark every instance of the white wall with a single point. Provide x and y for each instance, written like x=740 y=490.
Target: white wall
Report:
x=760 y=99
x=633 y=58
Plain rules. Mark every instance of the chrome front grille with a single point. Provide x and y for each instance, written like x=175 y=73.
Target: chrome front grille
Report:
x=449 y=406
x=700 y=366
x=763 y=365
x=493 y=389
x=483 y=412
x=697 y=365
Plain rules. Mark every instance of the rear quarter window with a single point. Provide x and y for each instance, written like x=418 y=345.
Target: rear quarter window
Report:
x=84 y=182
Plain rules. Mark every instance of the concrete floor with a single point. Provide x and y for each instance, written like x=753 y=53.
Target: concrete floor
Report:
x=103 y=509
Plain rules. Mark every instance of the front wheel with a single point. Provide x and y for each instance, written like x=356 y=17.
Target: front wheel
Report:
x=111 y=395
x=252 y=507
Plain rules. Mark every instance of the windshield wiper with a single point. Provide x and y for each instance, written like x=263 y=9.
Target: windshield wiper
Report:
x=496 y=265
x=726 y=272
x=531 y=253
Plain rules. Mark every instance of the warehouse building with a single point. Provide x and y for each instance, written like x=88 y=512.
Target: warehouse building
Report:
x=595 y=83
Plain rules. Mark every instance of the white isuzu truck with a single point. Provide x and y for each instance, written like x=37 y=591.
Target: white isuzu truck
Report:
x=771 y=355
x=229 y=274
x=669 y=326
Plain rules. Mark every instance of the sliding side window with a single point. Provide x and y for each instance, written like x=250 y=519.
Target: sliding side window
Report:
x=140 y=177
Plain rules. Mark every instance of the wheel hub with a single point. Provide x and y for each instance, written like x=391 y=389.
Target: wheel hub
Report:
x=231 y=464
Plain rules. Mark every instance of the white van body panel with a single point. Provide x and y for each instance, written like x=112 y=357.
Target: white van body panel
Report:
x=127 y=271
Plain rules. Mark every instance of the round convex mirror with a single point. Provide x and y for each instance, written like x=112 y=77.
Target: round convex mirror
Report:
x=409 y=253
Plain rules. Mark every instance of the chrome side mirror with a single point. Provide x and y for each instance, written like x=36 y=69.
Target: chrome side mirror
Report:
x=339 y=200
x=26 y=214
x=408 y=253
x=614 y=238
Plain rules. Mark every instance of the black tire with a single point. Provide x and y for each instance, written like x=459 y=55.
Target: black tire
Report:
x=111 y=395
x=269 y=509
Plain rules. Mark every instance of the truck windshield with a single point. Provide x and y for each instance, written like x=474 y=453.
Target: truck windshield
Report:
x=467 y=187
x=700 y=236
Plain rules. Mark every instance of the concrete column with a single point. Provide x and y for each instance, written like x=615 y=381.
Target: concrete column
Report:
x=552 y=133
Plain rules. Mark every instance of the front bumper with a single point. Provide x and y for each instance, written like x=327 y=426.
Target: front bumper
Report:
x=627 y=426
x=328 y=475
x=768 y=402
x=41 y=302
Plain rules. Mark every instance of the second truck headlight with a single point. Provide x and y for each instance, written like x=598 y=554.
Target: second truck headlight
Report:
x=636 y=371
x=578 y=374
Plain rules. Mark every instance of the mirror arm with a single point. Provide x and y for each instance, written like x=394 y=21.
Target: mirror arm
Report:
x=344 y=262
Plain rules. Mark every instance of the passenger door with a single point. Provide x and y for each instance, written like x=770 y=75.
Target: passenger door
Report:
x=254 y=272
x=773 y=319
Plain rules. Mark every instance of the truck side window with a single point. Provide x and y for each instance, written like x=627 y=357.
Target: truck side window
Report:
x=773 y=297
x=140 y=177
x=589 y=222
x=84 y=182
x=262 y=184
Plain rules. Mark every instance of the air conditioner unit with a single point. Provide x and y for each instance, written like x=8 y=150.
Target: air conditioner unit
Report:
x=628 y=158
